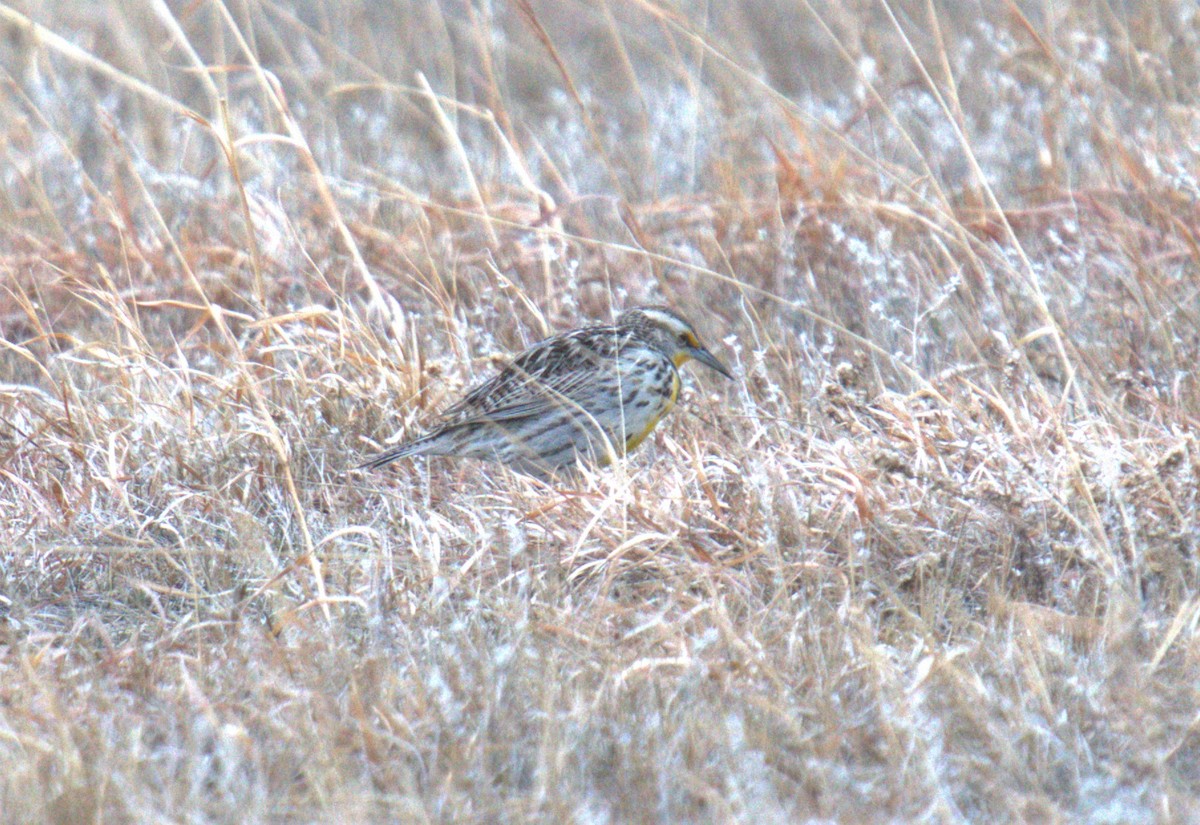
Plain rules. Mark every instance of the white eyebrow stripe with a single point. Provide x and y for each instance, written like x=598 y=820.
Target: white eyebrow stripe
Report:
x=676 y=325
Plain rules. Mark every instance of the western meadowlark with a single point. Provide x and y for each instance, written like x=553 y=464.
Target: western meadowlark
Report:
x=591 y=395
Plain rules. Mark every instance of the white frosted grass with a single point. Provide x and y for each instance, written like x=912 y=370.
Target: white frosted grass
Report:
x=680 y=133
x=900 y=577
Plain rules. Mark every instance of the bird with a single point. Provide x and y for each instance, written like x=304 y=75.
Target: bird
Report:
x=587 y=396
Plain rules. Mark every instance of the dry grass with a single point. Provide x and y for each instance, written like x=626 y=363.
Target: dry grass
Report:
x=933 y=557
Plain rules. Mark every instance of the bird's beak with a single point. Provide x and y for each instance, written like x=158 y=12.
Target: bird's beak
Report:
x=709 y=360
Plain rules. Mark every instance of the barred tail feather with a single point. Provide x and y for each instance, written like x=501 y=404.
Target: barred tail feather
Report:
x=432 y=444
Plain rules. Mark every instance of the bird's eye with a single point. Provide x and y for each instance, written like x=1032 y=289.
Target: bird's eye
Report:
x=689 y=339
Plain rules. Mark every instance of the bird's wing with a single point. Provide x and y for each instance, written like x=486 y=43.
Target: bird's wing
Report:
x=547 y=376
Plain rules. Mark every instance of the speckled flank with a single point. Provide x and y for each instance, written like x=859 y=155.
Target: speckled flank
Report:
x=638 y=438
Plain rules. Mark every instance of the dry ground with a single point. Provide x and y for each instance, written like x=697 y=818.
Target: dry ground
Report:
x=932 y=557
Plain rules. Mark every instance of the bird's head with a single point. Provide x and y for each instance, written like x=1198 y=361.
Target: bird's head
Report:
x=671 y=334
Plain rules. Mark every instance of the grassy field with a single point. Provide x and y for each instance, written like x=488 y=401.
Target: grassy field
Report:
x=931 y=557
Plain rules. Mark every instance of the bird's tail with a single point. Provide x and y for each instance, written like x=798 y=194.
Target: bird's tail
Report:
x=432 y=444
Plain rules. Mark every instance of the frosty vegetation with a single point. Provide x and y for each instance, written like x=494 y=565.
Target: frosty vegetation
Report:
x=932 y=557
